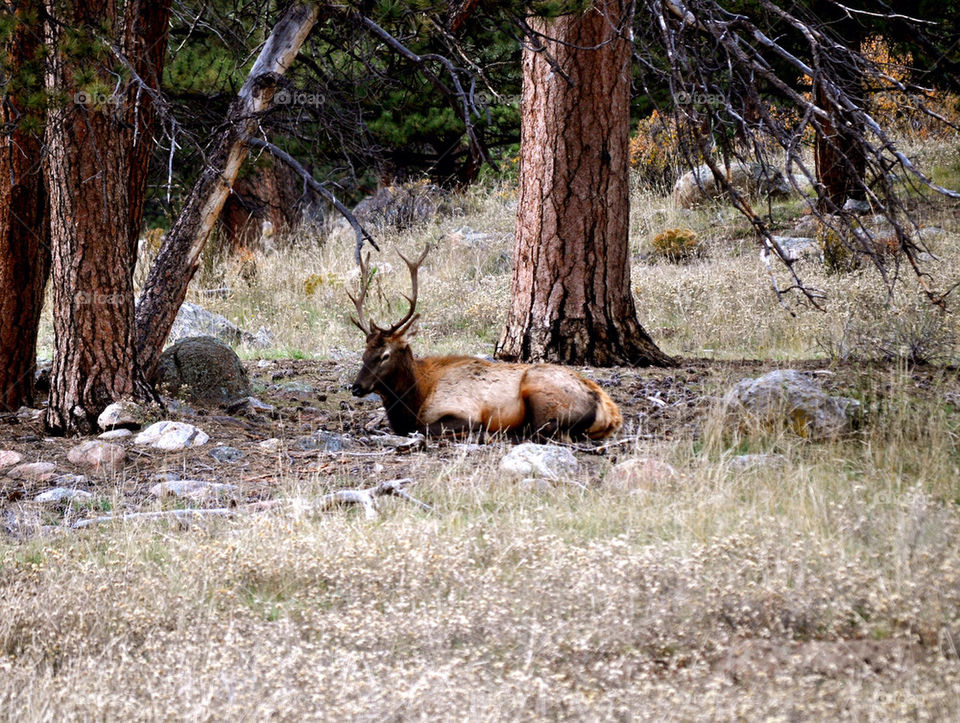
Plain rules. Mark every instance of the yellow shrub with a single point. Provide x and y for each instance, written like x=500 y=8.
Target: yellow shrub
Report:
x=677 y=244
x=655 y=150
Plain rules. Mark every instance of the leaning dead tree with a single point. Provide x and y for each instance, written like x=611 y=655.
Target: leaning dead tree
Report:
x=727 y=72
x=179 y=257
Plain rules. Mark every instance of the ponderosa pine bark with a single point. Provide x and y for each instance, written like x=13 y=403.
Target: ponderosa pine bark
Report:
x=24 y=229
x=179 y=257
x=98 y=151
x=571 y=300
x=839 y=161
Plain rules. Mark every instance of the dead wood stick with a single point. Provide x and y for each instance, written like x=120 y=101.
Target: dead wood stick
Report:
x=365 y=498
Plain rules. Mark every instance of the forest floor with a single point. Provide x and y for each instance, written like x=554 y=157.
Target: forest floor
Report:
x=821 y=584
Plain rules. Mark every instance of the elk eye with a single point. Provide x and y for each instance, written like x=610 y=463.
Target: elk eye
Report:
x=385 y=355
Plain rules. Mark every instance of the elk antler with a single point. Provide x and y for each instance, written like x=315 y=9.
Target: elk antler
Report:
x=359 y=298
x=414 y=266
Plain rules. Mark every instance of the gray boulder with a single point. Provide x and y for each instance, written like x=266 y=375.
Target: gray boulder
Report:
x=399 y=206
x=193 y=320
x=752 y=179
x=202 y=369
x=788 y=399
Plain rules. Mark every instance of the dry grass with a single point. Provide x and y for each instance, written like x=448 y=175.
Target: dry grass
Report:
x=828 y=587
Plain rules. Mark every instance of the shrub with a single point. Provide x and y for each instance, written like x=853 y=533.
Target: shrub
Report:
x=677 y=244
x=655 y=151
x=837 y=247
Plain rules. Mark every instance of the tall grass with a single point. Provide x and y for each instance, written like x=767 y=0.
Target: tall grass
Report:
x=825 y=585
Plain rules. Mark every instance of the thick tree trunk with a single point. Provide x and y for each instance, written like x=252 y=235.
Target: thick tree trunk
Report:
x=24 y=228
x=273 y=193
x=179 y=257
x=839 y=161
x=571 y=297
x=98 y=150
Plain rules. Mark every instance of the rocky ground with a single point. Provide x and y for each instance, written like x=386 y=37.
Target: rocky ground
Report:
x=302 y=425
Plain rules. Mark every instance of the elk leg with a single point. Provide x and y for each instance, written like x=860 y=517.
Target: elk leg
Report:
x=452 y=426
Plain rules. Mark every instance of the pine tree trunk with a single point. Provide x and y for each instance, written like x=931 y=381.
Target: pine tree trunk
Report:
x=571 y=296
x=179 y=257
x=98 y=150
x=24 y=229
x=838 y=159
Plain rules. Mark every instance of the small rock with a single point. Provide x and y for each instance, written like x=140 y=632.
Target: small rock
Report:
x=298 y=391
x=529 y=459
x=116 y=434
x=27 y=414
x=69 y=480
x=744 y=462
x=251 y=406
x=796 y=247
x=42 y=471
x=641 y=473
x=323 y=441
x=226 y=454
x=95 y=455
x=193 y=489
x=63 y=494
x=270 y=445
x=172 y=436
x=124 y=414
x=393 y=441
x=856 y=206
x=8 y=458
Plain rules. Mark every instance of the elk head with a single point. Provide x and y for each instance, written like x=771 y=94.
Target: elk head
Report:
x=387 y=352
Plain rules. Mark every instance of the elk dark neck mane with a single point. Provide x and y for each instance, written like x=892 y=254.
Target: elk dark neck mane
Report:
x=402 y=396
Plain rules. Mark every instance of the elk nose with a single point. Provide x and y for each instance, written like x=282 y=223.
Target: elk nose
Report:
x=357 y=391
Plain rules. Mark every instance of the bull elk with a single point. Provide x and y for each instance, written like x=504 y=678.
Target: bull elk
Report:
x=462 y=394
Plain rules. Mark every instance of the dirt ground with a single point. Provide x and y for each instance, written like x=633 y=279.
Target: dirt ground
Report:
x=326 y=434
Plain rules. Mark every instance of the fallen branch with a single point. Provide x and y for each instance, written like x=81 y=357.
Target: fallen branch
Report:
x=365 y=498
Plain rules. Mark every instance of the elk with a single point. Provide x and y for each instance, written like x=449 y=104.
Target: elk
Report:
x=458 y=395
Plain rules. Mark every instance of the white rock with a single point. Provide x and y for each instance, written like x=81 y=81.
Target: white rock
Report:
x=63 y=494
x=28 y=414
x=95 y=455
x=124 y=413
x=33 y=470
x=172 y=436
x=539 y=460
x=116 y=434
x=270 y=445
x=192 y=489
x=796 y=247
x=8 y=458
